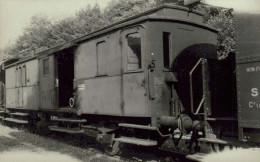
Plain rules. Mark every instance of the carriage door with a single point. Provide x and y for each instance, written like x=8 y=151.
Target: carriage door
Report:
x=48 y=94
x=133 y=83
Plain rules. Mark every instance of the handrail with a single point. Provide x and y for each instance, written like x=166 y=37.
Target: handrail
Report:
x=195 y=66
x=201 y=102
x=191 y=89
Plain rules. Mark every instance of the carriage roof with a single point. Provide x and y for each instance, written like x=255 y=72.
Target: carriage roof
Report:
x=159 y=13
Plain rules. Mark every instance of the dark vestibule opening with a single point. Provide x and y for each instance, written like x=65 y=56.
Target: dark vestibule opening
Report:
x=65 y=72
x=220 y=79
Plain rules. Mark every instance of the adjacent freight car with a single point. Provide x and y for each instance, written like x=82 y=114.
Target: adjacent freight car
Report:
x=143 y=80
x=247 y=69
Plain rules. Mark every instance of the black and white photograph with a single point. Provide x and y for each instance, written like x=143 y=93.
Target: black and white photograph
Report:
x=129 y=80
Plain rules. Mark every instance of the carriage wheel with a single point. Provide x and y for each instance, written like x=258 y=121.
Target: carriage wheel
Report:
x=114 y=149
x=41 y=125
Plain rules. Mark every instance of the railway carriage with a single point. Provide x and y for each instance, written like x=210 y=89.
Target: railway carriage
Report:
x=247 y=69
x=140 y=81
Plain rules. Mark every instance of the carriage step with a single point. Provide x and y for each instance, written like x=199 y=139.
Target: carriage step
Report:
x=66 y=130
x=89 y=127
x=213 y=140
x=222 y=119
x=147 y=127
x=2 y=112
x=69 y=120
x=19 y=114
x=101 y=129
x=136 y=141
x=19 y=121
x=196 y=157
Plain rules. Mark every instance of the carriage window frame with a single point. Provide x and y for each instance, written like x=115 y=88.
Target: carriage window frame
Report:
x=140 y=59
x=167 y=49
x=46 y=67
x=99 y=54
x=17 y=77
x=24 y=75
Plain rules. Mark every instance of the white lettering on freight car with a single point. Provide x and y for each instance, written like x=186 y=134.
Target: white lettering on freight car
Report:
x=253 y=69
x=81 y=87
x=253 y=104
x=254 y=92
x=250 y=69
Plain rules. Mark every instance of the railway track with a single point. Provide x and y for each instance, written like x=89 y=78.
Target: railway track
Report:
x=129 y=152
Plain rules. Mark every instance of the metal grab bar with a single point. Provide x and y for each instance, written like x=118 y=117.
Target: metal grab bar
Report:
x=201 y=102
x=191 y=89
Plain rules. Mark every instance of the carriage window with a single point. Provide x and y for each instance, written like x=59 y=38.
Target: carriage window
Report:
x=17 y=77
x=101 y=58
x=134 y=51
x=166 y=49
x=46 y=66
x=24 y=75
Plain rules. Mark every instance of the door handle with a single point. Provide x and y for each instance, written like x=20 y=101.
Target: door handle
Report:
x=57 y=83
x=143 y=83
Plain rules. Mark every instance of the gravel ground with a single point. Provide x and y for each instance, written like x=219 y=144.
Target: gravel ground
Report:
x=22 y=146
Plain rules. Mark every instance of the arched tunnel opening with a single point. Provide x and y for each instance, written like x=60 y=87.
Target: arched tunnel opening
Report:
x=219 y=79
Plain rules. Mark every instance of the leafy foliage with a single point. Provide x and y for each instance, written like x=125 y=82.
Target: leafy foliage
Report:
x=42 y=33
x=223 y=20
x=118 y=9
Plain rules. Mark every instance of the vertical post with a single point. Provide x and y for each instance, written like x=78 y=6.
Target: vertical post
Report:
x=122 y=74
x=4 y=97
x=191 y=86
x=174 y=101
x=207 y=102
x=241 y=134
x=206 y=92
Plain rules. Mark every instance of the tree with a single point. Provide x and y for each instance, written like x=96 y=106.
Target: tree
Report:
x=89 y=19
x=223 y=20
x=42 y=33
x=118 y=10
